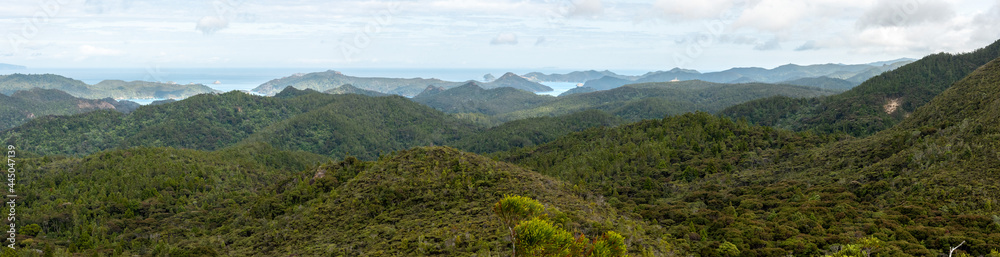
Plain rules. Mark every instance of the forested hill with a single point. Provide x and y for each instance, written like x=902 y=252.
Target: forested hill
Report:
x=655 y=100
x=471 y=98
x=350 y=89
x=362 y=126
x=23 y=106
x=321 y=123
x=254 y=200
x=323 y=81
x=876 y=104
x=917 y=189
x=105 y=89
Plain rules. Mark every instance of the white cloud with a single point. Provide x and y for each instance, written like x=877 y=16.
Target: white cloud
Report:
x=102 y=6
x=772 y=44
x=587 y=8
x=692 y=10
x=87 y=51
x=505 y=38
x=808 y=45
x=985 y=23
x=210 y=24
x=540 y=41
x=895 y=13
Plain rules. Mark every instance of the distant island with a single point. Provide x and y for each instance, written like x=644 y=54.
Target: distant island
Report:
x=117 y=89
x=328 y=80
x=4 y=66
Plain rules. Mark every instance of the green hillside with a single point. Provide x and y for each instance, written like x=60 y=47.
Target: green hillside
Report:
x=362 y=126
x=875 y=105
x=919 y=188
x=259 y=201
x=533 y=131
x=23 y=106
x=827 y=83
x=19 y=82
x=150 y=202
x=349 y=89
x=302 y=120
x=471 y=98
x=654 y=100
x=203 y=122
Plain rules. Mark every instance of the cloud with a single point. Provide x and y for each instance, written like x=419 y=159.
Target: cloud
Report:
x=894 y=13
x=210 y=24
x=772 y=44
x=693 y=10
x=987 y=30
x=809 y=45
x=505 y=38
x=739 y=39
x=102 y=6
x=587 y=8
x=540 y=41
x=87 y=51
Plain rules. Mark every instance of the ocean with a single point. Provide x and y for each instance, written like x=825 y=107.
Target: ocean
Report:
x=245 y=79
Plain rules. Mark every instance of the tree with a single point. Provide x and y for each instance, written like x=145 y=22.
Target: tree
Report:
x=536 y=236
x=728 y=249
x=512 y=209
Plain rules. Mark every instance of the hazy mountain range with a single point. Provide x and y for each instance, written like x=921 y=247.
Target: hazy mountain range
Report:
x=829 y=76
x=4 y=66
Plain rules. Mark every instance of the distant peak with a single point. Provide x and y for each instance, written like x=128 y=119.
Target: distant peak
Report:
x=678 y=69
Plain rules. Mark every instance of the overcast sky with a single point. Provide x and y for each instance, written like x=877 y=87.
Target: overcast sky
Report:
x=564 y=34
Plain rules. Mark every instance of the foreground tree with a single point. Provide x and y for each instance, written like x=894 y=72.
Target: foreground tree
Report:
x=532 y=234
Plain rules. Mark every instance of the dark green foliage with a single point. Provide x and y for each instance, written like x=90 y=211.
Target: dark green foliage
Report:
x=201 y=122
x=148 y=197
x=533 y=131
x=470 y=98
x=605 y=83
x=364 y=127
x=863 y=111
x=349 y=89
x=424 y=201
x=321 y=123
x=824 y=83
x=656 y=100
x=578 y=90
x=916 y=189
x=23 y=106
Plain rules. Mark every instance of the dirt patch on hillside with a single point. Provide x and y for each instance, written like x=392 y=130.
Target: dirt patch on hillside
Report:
x=892 y=105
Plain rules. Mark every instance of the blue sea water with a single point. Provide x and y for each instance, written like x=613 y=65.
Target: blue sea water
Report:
x=245 y=79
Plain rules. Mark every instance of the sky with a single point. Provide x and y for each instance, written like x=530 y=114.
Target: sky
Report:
x=706 y=35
